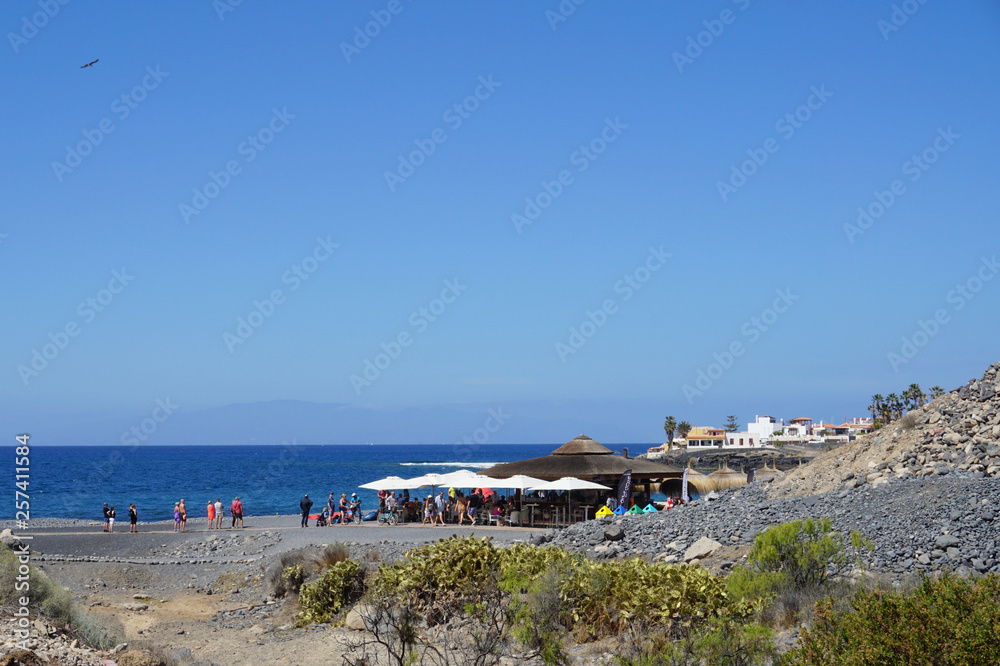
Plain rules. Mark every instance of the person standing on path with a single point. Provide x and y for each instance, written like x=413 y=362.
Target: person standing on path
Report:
x=331 y=508
x=184 y=516
x=237 y=510
x=133 y=518
x=111 y=519
x=428 y=510
x=305 y=505
x=177 y=516
x=343 y=508
x=211 y=515
x=105 y=516
x=439 y=505
x=220 y=513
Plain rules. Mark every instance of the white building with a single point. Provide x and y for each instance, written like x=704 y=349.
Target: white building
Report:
x=757 y=434
x=764 y=427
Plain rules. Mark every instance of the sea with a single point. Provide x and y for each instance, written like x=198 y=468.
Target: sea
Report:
x=76 y=481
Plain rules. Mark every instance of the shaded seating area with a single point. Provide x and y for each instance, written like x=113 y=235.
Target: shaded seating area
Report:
x=587 y=460
x=567 y=486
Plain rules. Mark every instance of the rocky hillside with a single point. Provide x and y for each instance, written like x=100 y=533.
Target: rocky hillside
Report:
x=924 y=490
x=958 y=432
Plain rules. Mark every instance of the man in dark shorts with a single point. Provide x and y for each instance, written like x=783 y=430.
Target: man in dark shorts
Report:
x=475 y=502
x=305 y=505
x=331 y=508
x=237 y=512
x=107 y=515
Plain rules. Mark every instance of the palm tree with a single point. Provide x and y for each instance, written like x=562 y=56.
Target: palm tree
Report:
x=669 y=426
x=916 y=395
x=876 y=407
x=908 y=398
x=936 y=391
x=683 y=428
x=895 y=406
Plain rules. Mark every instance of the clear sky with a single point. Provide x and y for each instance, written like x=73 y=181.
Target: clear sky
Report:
x=674 y=183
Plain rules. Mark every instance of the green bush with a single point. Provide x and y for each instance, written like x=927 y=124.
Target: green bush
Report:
x=719 y=642
x=597 y=598
x=326 y=596
x=802 y=550
x=947 y=622
x=294 y=576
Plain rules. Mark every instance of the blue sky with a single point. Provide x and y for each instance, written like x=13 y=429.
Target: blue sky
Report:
x=202 y=86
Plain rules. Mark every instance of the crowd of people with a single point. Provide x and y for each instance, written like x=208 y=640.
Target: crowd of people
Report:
x=334 y=512
x=216 y=512
x=451 y=507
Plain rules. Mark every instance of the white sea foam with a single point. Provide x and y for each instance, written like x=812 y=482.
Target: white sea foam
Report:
x=480 y=465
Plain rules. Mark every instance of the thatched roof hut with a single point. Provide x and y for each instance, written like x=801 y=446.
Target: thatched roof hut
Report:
x=767 y=473
x=725 y=478
x=587 y=459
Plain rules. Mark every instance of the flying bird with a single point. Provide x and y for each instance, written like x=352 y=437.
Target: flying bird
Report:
x=89 y=64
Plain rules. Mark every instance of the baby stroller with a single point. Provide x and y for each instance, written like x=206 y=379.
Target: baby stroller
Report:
x=323 y=519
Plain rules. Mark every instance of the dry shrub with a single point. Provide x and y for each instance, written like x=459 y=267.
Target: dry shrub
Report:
x=909 y=420
x=279 y=579
x=332 y=554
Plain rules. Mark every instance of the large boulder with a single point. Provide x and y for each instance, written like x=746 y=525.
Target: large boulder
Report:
x=355 y=620
x=614 y=533
x=703 y=547
x=10 y=540
x=946 y=541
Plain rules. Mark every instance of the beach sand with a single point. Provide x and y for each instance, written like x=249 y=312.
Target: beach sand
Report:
x=202 y=590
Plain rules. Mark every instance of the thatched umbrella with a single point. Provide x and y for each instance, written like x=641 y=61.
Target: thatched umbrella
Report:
x=583 y=458
x=768 y=473
x=725 y=478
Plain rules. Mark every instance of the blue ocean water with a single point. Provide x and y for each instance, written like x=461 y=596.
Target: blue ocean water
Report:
x=74 y=482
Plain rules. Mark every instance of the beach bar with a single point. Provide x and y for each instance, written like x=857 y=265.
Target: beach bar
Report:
x=588 y=460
